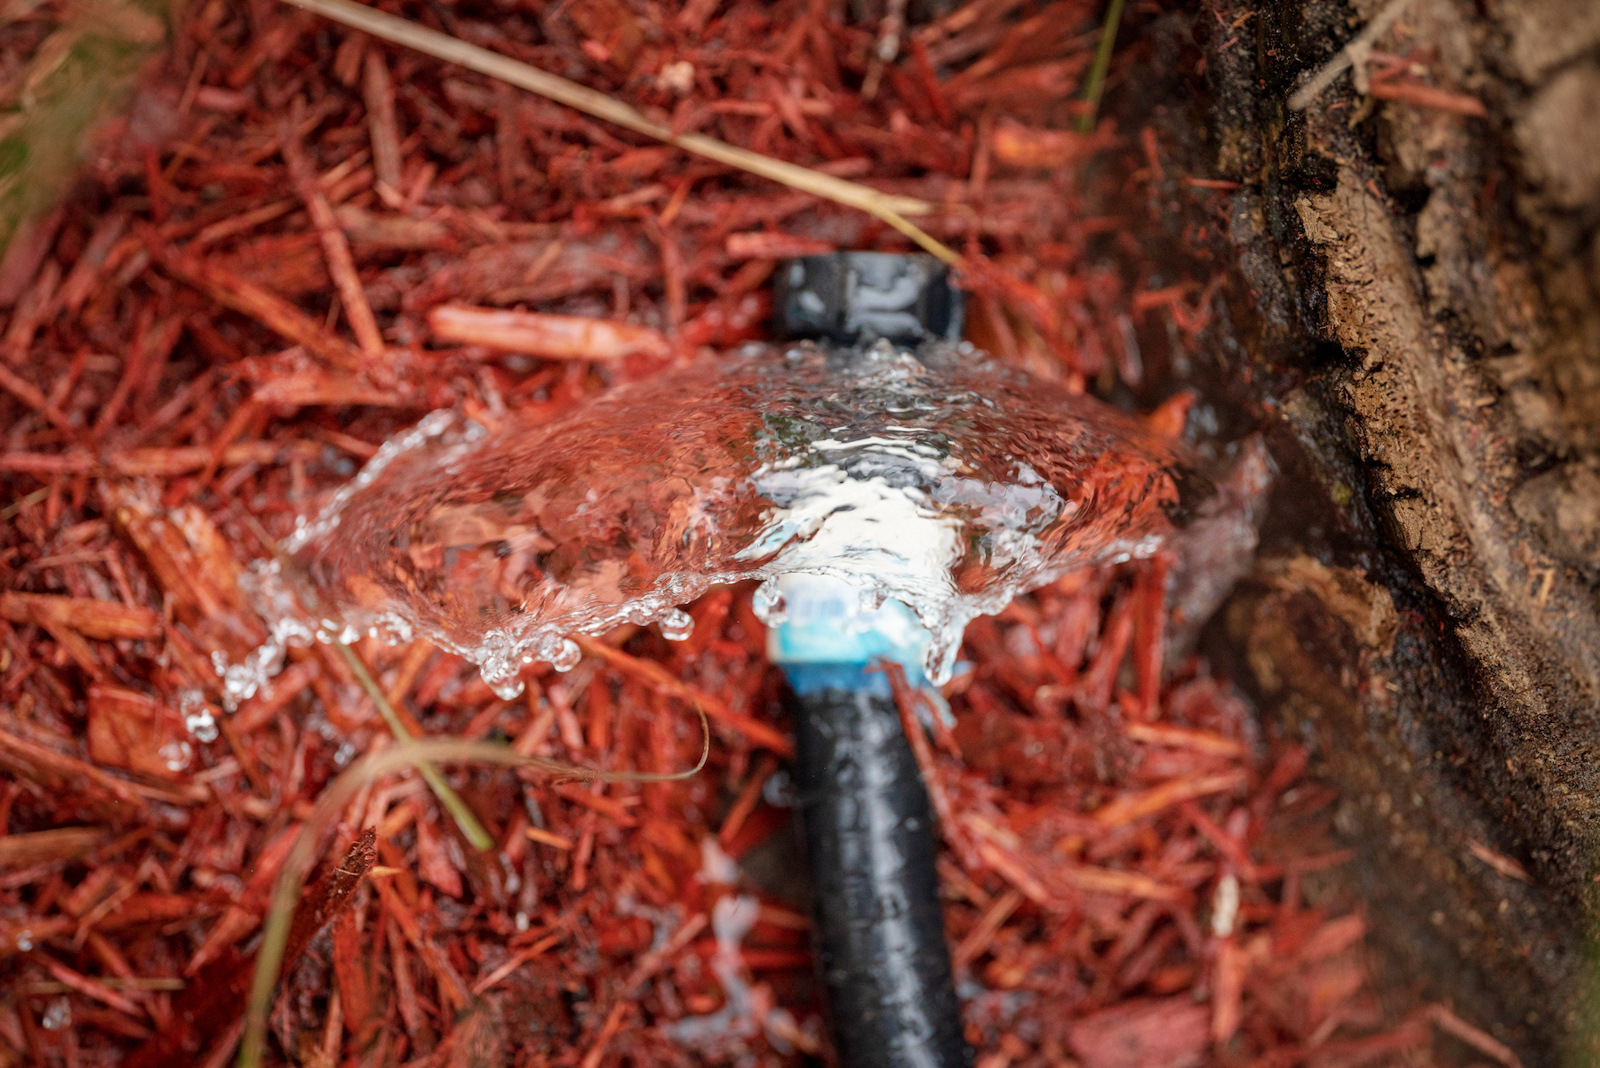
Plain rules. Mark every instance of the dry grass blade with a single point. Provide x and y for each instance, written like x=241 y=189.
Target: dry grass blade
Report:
x=1095 y=84
x=469 y=824
x=275 y=931
x=888 y=207
x=1353 y=54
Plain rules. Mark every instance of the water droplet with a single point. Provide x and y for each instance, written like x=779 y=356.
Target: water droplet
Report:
x=676 y=625
x=715 y=865
x=197 y=716
x=939 y=661
x=57 y=1015
x=778 y=791
x=176 y=755
x=504 y=689
x=769 y=604
x=567 y=656
x=391 y=630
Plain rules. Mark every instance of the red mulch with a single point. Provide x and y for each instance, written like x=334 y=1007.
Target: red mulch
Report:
x=231 y=312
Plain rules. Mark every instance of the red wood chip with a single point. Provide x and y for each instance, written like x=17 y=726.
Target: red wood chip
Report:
x=1169 y=1033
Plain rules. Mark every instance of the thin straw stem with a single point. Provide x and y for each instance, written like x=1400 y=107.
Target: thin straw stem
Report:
x=889 y=207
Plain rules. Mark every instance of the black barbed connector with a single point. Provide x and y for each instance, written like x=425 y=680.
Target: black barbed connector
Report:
x=851 y=298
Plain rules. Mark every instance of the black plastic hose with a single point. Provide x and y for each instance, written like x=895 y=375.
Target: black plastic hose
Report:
x=869 y=834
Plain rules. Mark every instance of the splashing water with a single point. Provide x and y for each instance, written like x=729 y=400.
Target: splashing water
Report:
x=948 y=482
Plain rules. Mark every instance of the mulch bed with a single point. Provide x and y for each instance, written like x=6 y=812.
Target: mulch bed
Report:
x=238 y=302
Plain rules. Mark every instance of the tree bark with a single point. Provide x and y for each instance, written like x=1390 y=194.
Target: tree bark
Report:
x=1425 y=287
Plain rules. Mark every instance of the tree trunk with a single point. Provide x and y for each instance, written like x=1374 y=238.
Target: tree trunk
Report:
x=1425 y=290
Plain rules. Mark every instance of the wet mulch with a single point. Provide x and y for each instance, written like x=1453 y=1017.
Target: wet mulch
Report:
x=241 y=298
